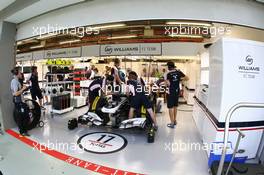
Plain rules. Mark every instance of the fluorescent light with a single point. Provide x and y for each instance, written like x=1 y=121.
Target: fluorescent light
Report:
x=189 y=23
x=47 y=35
x=122 y=37
x=108 y=26
x=36 y=47
x=29 y=40
x=19 y=42
x=186 y=36
x=261 y=1
x=70 y=41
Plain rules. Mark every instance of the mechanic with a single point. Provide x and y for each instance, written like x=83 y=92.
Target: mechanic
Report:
x=21 y=80
x=172 y=80
x=17 y=90
x=35 y=89
x=138 y=98
x=115 y=71
x=99 y=86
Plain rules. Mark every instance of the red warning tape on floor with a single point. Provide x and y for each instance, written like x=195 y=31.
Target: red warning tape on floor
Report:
x=69 y=159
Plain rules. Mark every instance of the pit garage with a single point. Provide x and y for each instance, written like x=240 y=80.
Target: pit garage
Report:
x=92 y=94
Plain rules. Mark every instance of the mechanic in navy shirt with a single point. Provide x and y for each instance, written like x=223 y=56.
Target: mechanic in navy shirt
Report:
x=35 y=89
x=99 y=86
x=172 y=79
x=138 y=98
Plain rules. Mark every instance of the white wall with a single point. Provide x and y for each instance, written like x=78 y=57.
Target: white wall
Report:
x=241 y=12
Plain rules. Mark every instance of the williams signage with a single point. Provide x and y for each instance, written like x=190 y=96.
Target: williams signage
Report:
x=63 y=53
x=248 y=68
x=131 y=49
x=24 y=57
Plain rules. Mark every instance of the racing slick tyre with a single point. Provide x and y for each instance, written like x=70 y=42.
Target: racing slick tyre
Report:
x=72 y=124
x=31 y=111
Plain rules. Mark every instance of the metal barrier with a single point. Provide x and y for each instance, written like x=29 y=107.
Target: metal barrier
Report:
x=226 y=132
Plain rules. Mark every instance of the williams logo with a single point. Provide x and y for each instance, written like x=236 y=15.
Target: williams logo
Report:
x=249 y=60
x=249 y=69
x=108 y=49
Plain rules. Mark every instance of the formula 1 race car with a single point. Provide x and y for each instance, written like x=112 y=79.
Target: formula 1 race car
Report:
x=106 y=112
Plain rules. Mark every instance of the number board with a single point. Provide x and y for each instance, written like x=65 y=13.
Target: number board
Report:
x=102 y=142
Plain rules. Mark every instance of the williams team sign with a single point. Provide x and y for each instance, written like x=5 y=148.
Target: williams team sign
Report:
x=131 y=49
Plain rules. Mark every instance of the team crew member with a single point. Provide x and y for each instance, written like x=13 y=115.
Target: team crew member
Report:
x=21 y=80
x=138 y=97
x=99 y=86
x=35 y=89
x=172 y=79
x=115 y=71
x=17 y=90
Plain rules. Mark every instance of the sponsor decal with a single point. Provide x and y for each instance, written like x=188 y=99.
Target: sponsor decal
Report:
x=249 y=60
x=131 y=49
x=102 y=142
x=249 y=70
x=108 y=49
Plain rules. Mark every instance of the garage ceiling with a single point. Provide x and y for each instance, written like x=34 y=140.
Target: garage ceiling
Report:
x=5 y=3
x=35 y=9
x=152 y=31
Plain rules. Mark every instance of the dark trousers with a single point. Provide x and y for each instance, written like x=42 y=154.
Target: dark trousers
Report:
x=22 y=119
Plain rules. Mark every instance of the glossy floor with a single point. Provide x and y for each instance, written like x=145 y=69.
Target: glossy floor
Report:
x=170 y=154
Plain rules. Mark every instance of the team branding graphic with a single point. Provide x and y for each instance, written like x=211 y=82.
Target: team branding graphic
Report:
x=65 y=52
x=249 y=60
x=108 y=49
x=249 y=69
x=24 y=56
x=102 y=142
x=131 y=49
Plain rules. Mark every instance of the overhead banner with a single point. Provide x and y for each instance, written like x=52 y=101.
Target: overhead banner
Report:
x=63 y=53
x=24 y=57
x=38 y=55
x=92 y=50
x=131 y=49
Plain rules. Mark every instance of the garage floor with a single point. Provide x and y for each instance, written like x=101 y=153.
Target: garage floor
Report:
x=161 y=157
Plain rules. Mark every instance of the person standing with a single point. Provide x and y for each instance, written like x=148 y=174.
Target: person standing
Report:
x=35 y=89
x=172 y=79
x=17 y=90
x=115 y=71
x=135 y=91
x=98 y=87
